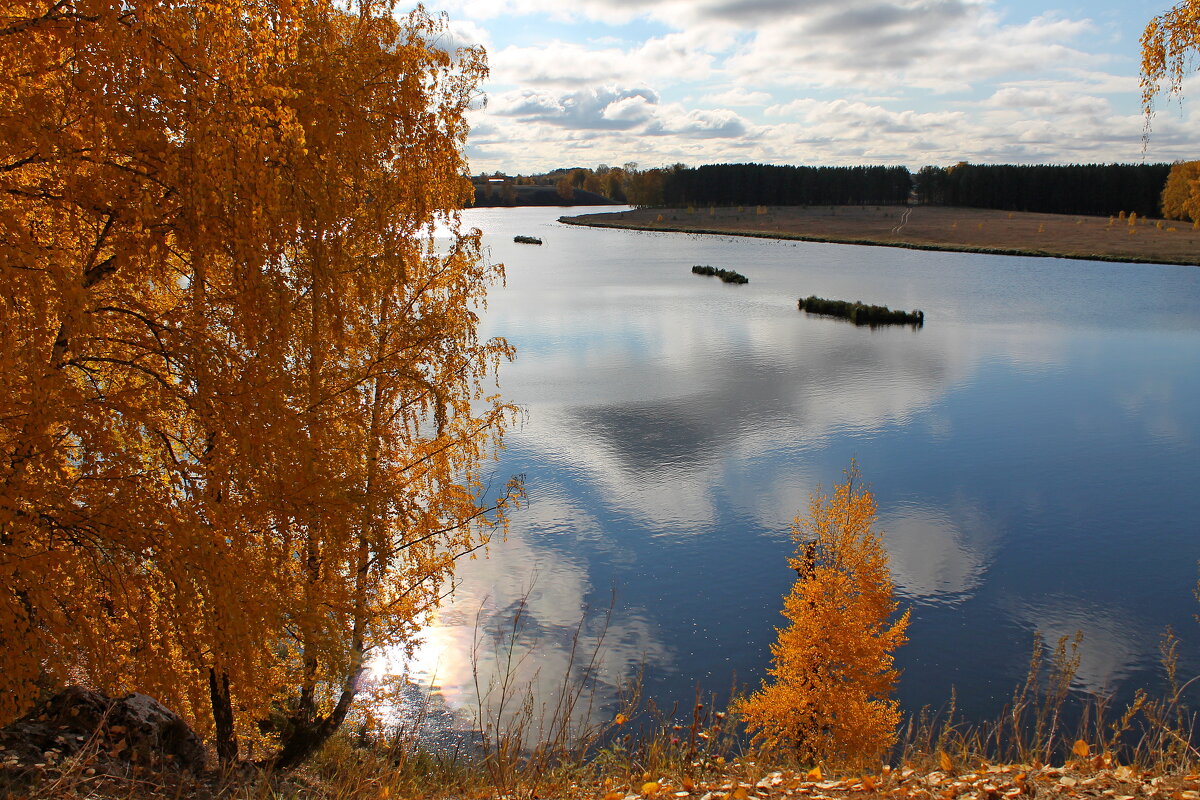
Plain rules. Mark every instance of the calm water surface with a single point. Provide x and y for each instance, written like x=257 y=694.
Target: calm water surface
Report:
x=1034 y=450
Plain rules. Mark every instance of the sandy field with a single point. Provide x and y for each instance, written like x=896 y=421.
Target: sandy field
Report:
x=932 y=227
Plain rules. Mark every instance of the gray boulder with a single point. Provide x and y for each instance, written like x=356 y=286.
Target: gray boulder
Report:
x=134 y=729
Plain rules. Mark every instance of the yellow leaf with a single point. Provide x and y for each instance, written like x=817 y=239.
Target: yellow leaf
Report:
x=814 y=774
x=688 y=784
x=739 y=793
x=620 y=719
x=945 y=761
x=614 y=796
x=1081 y=748
x=649 y=789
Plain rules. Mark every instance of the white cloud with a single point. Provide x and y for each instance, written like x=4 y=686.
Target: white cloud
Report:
x=737 y=97
x=845 y=117
x=631 y=109
x=1050 y=100
x=825 y=81
x=596 y=108
x=667 y=59
x=936 y=46
x=560 y=64
x=464 y=33
x=699 y=124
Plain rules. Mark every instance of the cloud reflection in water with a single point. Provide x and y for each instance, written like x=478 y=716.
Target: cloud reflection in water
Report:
x=1113 y=645
x=526 y=620
x=675 y=426
x=937 y=555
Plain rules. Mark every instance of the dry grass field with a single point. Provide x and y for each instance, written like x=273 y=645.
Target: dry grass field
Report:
x=933 y=227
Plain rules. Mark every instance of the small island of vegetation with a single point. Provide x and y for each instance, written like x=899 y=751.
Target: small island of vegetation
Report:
x=860 y=313
x=527 y=240
x=727 y=275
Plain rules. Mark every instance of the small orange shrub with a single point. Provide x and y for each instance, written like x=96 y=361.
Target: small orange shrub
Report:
x=833 y=674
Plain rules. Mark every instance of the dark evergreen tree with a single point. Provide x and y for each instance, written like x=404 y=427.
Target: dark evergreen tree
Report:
x=763 y=184
x=1096 y=189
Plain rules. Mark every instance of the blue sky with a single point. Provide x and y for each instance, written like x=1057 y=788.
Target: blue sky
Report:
x=912 y=82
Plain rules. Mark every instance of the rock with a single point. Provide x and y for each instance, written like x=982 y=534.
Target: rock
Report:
x=134 y=729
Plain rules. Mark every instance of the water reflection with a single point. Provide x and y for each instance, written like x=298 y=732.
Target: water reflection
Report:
x=1112 y=644
x=1033 y=458
x=937 y=555
x=525 y=622
x=1154 y=403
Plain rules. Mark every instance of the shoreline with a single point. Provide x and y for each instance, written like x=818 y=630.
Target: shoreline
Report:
x=596 y=221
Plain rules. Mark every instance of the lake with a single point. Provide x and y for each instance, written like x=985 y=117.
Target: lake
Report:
x=1034 y=451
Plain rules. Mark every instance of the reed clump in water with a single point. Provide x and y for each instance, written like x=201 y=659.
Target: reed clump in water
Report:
x=727 y=275
x=861 y=313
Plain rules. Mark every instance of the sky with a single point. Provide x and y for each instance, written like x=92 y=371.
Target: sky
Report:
x=813 y=82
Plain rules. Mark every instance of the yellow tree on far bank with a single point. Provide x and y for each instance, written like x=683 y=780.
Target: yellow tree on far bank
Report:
x=1181 y=195
x=830 y=694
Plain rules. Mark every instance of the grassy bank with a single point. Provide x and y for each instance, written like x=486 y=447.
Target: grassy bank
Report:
x=1029 y=752
x=357 y=769
x=969 y=230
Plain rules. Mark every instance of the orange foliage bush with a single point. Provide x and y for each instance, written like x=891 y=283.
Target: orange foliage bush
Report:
x=833 y=674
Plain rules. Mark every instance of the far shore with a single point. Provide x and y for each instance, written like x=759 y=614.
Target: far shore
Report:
x=970 y=230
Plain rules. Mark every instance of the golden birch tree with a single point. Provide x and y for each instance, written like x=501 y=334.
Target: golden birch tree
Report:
x=1170 y=46
x=1181 y=194
x=242 y=410
x=829 y=697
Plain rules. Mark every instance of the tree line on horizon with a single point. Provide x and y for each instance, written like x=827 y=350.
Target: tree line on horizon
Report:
x=763 y=184
x=1092 y=189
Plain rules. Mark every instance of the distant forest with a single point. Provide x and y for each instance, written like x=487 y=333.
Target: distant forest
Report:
x=760 y=184
x=1099 y=189
x=1094 y=189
